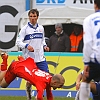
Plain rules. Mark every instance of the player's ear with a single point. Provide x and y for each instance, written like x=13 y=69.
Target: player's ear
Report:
x=55 y=82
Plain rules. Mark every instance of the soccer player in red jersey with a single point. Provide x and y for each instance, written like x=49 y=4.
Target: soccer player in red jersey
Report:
x=28 y=70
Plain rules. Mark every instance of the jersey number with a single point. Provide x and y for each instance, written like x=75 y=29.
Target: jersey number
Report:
x=98 y=33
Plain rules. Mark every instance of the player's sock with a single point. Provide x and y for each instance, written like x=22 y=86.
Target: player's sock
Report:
x=20 y=58
x=28 y=92
x=4 y=62
x=84 y=91
x=77 y=96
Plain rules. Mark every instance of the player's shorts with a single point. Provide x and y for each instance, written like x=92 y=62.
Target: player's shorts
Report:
x=43 y=66
x=97 y=95
x=94 y=71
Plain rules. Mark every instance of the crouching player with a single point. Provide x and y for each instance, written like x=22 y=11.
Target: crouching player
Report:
x=94 y=87
x=28 y=70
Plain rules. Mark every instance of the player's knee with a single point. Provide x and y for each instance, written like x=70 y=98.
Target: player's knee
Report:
x=28 y=84
x=4 y=84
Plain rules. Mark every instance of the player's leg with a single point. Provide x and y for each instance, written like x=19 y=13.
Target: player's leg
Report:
x=94 y=72
x=85 y=85
x=77 y=95
x=6 y=76
x=4 y=57
x=28 y=90
x=84 y=90
x=95 y=89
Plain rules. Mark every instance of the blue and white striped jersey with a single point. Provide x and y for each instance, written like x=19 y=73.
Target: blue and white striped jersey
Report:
x=91 y=38
x=33 y=36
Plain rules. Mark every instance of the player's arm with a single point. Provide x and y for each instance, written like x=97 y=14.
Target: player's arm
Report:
x=78 y=81
x=49 y=93
x=40 y=91
x=20 y=38
x=88 y=44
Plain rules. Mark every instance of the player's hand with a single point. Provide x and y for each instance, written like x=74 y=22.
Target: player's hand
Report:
x=30 y=48
x=46 y=48
x=78 y=85
x=86 y=71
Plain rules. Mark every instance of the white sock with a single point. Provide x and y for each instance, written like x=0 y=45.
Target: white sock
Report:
x=84 y=91
x=77 y=95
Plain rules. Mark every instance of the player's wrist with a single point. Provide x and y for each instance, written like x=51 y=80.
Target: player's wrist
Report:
x=26 y=45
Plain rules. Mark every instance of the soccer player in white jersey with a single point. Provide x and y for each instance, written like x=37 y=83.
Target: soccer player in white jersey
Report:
x=91 y=51
x=32 y=42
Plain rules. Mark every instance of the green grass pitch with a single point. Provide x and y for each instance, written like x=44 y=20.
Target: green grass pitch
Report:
x=24 y=98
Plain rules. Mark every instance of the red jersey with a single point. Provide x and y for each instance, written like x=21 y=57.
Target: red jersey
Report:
x=28 y=70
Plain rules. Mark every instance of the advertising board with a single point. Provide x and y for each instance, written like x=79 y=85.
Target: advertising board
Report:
x=67 y=64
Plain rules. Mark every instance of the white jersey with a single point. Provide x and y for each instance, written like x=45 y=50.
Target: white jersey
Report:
x=33 y=37
x=91 y=38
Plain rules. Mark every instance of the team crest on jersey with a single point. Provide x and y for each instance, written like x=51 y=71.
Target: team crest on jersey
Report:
x=40 y=30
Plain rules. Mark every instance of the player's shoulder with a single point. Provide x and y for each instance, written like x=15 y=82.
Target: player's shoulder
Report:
x=90 y=17
x=40 y=26
x=24 y=27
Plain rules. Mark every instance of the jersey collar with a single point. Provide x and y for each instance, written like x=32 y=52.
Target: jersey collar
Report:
x=31 y=26
x=98 y=11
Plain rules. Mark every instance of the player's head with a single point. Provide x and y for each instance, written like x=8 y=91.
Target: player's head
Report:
x=96 y=5
x=57 y=81
x=33 y=11
x=33 y=16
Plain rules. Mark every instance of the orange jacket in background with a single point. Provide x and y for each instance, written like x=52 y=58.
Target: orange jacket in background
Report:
x=75 y=41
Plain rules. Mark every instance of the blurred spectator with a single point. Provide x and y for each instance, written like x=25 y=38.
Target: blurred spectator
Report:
x=59 y=41
x=75 y=38
x=80 y=46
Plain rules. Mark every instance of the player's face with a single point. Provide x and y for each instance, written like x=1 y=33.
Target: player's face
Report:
x=33 y=18
x=57 y=85
x=96 y=7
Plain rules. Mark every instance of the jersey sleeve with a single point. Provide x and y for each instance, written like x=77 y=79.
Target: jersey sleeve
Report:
x=20 y=38
x=49 y=93
x=87 y=38
x=44 y=43
x=40 y=91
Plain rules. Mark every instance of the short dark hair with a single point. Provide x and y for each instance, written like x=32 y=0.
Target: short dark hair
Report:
x=97 y=2
x=33 y=11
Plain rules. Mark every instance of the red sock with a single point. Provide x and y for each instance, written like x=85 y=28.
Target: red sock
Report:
x=4 y=65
